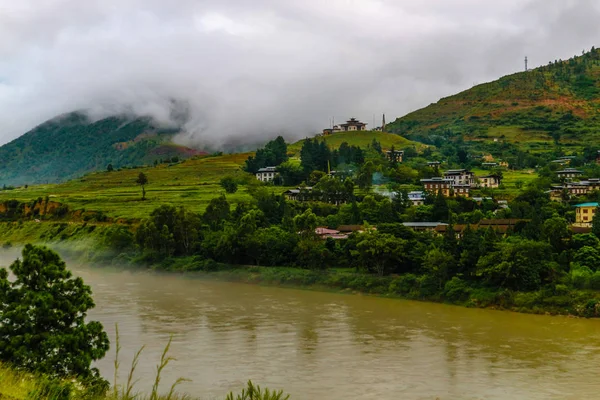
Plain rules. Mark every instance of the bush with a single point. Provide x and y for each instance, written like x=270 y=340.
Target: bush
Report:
x=456 y=289
x=229 y=184
x=403 y=284
x=580 y=276
x=594 y=281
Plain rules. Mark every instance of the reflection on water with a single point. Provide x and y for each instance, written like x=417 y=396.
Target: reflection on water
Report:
x=328 y=346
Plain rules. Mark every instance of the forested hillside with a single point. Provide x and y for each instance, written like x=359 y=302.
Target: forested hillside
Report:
x=71 y=145
x=558 y=102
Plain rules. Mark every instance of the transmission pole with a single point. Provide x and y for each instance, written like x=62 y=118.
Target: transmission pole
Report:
x=526 y=64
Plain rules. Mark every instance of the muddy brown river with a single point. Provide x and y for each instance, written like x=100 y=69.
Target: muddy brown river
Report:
x=333 y=346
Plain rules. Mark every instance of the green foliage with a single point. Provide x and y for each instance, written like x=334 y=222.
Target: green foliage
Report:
x=72 y=145
x=229 y=183
x=456 y=290
x=142 y=180
x=43 y=312
x=273 y=154
x=517 y=264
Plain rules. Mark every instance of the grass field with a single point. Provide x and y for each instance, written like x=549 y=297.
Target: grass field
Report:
x=361 y=139
x=191 y=184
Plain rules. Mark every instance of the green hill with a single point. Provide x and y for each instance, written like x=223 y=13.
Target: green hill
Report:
x=72 y=145
x=359 y=138
x=558 y=102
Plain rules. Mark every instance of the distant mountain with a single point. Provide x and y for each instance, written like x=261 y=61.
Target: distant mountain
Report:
x=71 y=145
x=557 y=102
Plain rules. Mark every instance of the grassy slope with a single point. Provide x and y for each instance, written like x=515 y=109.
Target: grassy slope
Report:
x=522 y=108
x=361 y=139
x=191 y=184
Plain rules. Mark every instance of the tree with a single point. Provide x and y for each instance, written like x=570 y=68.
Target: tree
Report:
x=518 y=264
x=596 y=224
x=556 y=232
x=217 y=212
x=142 y=180
x=229 y=184
x=109 y=168
x=438 y=264
x=379 y=252
x=43 y=312
x=306 y=223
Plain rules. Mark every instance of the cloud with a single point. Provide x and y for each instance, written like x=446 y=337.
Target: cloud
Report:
x=249 y=70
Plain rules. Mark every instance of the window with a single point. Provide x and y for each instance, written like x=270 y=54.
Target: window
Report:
x=585 y=211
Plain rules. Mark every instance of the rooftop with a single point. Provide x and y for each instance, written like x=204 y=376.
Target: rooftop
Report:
x=594 y=204
x=422 y=224
x=268 y=169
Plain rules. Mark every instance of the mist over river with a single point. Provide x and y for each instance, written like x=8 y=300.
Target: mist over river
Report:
x=332 y=346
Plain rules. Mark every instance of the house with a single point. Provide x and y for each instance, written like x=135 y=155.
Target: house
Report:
x=325 y=233
x=266 y=174
x=569 y=173
x=353 y=125
x=460 y=176
x=422 y=226
x=480 y=200
x=489 y=181
x=417 y=198
x=395 y=156
x=504 y=164
x=458 y=230
x=299 y=194
x=489 y=165
x=584 y=214
x=433 y=164
x=461 y=189
x=500 y=225
x=574 y=189
x=348 y=229
x=329 y=131
x=437 y=184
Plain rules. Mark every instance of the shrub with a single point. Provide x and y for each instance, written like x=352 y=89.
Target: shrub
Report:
x=403 y=284
x=594 y=281
x=456 y=289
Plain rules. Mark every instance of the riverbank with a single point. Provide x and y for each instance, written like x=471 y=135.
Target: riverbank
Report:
x=557 y=300
x=93 y=243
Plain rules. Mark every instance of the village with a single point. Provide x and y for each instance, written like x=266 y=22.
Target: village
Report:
x=453 y=183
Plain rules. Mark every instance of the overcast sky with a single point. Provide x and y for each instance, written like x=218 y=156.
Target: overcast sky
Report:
x=251 y=69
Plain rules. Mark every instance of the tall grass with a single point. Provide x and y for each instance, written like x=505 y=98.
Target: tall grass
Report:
x=20 y=385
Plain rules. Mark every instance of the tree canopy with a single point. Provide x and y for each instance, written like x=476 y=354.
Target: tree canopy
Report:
x=43 y=311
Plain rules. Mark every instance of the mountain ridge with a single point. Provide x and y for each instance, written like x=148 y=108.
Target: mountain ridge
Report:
x=72 y=144
x=559 y=101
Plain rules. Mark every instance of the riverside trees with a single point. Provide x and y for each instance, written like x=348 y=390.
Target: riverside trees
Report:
x=43 y=325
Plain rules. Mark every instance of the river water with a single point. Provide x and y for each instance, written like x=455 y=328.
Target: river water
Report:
x=333 y=346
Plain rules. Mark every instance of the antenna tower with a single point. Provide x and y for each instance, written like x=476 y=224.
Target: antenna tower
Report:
x=526 y=64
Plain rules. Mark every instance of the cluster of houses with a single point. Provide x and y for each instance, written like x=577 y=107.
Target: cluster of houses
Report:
x=459 y=182
x=502 y=226
x=571 y=187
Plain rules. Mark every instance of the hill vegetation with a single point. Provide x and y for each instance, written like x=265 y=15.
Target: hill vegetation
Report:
x=72 y=145
x=557 y=103
x=358 y=138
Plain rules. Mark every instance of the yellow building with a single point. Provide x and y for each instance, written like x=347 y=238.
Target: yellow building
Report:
x=584 y=214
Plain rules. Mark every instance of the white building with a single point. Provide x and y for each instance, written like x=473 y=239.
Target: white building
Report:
x=417 y=198
x=460 y=176
x=266 y=174
x=490 y=181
